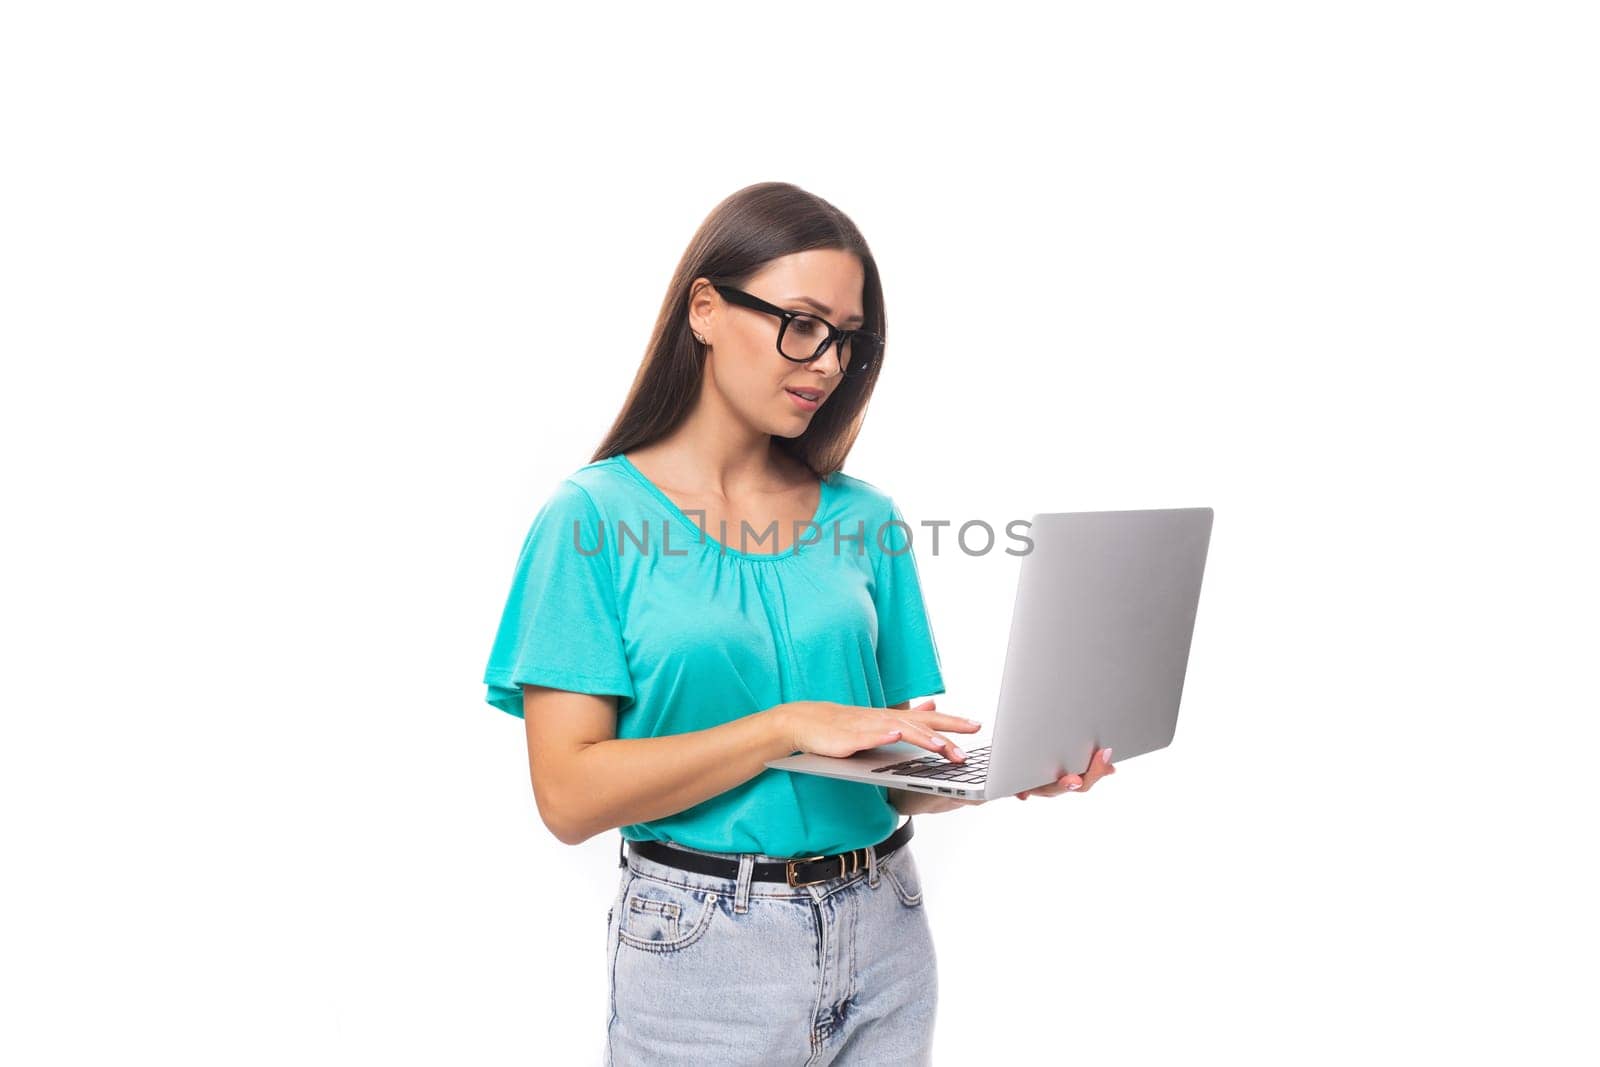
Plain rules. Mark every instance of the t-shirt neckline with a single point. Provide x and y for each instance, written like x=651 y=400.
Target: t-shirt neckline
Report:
x=702 y=534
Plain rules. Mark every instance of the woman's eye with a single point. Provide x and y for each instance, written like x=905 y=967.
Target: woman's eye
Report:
x=806 y=324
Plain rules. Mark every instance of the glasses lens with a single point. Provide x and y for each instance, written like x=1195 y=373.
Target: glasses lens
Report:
x=805 y=335
x=861 y=353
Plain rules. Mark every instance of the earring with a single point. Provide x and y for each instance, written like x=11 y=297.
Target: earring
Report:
x=697 y=337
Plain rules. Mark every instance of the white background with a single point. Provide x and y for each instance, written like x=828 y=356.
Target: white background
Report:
x=306 y=308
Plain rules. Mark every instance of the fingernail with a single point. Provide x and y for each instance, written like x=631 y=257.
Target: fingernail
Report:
x=1072 y=785
x=1108 y=755
x=960 y=754
x=974 y=722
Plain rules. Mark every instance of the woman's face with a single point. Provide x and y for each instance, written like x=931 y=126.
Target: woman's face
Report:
x=743 y=364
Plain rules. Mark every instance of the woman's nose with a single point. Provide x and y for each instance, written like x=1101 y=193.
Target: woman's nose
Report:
x=829 y=361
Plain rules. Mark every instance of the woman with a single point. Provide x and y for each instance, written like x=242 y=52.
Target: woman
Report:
x=659 y=660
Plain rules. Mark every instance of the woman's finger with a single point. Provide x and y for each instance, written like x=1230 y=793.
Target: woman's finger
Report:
x=951 y=722
x=1067 y=783
x=1099 y=767
x=921 y=735
x=943 y=720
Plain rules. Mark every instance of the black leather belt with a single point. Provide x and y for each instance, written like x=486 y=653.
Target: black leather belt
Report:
x=802 y=870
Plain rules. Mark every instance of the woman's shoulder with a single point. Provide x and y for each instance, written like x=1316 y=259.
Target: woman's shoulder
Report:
x=598 y=485
x=867 y=495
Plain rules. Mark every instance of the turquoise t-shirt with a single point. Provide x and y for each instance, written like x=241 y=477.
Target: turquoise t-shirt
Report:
x=616 y=591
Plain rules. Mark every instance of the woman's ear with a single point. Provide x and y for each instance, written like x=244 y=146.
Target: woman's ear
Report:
x=702 y=309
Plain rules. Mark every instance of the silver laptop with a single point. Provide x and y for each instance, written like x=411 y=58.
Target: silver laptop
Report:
x=1099 y=646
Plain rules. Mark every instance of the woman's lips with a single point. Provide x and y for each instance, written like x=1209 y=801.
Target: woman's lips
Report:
x=802 y=403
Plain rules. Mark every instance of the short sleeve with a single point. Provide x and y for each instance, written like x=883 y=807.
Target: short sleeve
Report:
x=560 y=627
x=908 y=656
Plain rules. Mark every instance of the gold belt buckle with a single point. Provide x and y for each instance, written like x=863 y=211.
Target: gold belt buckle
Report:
x=788 y=869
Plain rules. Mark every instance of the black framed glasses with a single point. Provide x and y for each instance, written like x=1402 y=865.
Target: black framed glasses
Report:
x=803 y=337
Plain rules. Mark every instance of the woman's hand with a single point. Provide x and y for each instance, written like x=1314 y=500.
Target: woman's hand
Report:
x=1099 y=767
x=908 y=802
x=828 y=729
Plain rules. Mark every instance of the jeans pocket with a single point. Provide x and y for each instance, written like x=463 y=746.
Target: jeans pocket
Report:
x=661 y=916
x=901 y=869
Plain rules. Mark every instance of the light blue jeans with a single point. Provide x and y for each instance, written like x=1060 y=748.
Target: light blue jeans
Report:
x=707 y=970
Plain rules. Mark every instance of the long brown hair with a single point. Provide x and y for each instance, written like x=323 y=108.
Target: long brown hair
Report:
x=743 y=233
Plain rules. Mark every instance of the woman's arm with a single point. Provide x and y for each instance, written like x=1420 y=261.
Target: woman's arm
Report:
x=909 y=803
x=586 y=780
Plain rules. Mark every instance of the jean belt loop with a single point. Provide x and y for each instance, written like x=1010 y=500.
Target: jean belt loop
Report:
x=741 y=895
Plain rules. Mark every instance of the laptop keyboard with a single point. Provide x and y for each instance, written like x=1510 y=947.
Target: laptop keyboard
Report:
x=935 y=766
